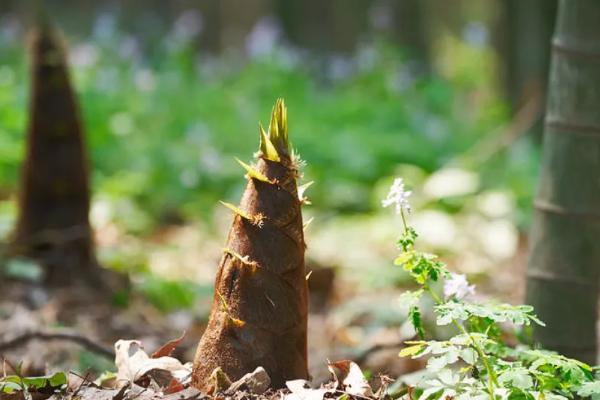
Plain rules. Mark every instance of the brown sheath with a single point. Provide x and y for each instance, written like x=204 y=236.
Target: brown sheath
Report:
x=53 y=224
x=259 y=310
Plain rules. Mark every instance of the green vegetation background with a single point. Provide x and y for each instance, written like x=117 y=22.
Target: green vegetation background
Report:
x=164 y=125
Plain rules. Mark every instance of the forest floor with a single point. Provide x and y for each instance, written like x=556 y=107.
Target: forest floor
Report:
x=47 y=331
x=73 y=329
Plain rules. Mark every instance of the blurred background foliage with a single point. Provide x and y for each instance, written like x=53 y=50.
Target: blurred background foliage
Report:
x=447 y=94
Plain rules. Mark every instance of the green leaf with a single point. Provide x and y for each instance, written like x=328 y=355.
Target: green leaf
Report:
x=411 y=350
x=21 y=268
x=410 y=298
x=404 y=258
x=9 y=386
x=415 y=318
x=12 y=383
x=589 y=389
x=58 y=379
x=468 y=355
x=516 y=377
x=450 y=356
x=518 y=315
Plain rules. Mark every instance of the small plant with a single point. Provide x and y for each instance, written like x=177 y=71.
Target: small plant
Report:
x=476 y=363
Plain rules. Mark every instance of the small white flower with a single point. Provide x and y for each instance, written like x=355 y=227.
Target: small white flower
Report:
x=398 y=196
x=457 y=286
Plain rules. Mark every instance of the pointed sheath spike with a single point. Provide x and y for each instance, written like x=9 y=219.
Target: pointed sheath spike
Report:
x=277 y=127
x=257 y=220
x=244 y=260
x=281 y=118
x=302 y=189
x=237 y=211
x=307 y=223
x=253 y=173
x=284 y=123
x=238 y=323
x=273 y=127
x=266 y=146
x=224 y=304
x=280 y=115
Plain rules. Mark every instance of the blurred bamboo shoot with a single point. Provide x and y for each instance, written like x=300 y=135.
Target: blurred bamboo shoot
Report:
x=53 y=225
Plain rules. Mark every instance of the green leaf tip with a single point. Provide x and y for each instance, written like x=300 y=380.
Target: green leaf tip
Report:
x=267 y=148
x=278 y=129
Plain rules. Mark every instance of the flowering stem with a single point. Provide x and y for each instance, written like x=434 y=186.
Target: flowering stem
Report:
x=399 y=197
x=492 y=380
x=404 y=221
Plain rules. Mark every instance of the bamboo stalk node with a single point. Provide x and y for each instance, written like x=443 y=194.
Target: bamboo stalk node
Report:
x=572 y=128
x=568 y=49
x=551 y=208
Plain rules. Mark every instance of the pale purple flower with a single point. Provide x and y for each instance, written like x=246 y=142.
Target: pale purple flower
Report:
x=187 y=26
x=264 y=37
x=84 y=55
x=458 y=287
x=398 y=197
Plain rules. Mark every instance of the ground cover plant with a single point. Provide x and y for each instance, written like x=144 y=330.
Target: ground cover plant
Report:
x=477 y=362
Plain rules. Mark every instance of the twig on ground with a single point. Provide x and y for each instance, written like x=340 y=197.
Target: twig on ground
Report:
x=74 y=337
x=85 y=379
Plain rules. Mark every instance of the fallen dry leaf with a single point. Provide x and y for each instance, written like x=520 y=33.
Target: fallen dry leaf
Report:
x=174 y=387
x=350 y=376
x=167 y=349
x=300 y=390
x=133 y=364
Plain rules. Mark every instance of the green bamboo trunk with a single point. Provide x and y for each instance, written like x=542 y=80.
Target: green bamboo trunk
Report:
x=564 y=264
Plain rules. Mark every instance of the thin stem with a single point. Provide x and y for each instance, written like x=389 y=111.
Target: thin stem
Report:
x=492 y=380
x=404 y=220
